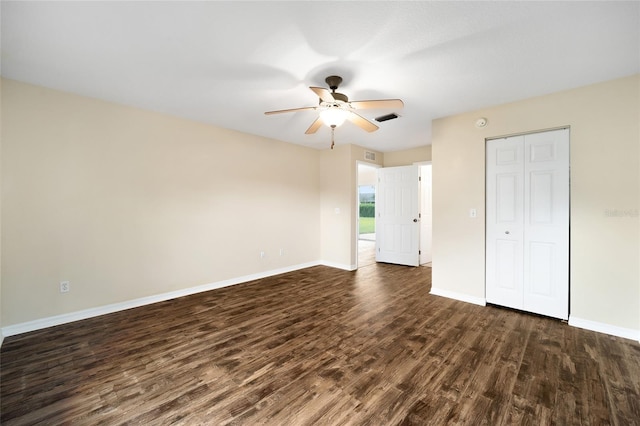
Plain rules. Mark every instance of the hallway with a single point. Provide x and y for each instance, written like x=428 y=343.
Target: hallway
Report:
x=366 y=251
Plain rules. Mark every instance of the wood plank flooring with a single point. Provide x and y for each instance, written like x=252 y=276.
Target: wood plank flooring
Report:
x=320 y=346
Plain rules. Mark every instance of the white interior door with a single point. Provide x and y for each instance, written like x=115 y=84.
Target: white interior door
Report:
x=527 y=228
x=397 y=216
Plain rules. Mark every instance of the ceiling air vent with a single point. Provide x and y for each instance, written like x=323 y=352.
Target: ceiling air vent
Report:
x=386 y=117
x=368 y=155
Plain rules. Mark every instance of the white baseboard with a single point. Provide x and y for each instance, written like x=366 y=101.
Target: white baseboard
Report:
x=39 y=324
x=338 y=265
x=627 y=333
x=458 y=296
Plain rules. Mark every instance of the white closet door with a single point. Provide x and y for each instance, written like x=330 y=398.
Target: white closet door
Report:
x=546 y=217
x=527 y=229
x=505 y=221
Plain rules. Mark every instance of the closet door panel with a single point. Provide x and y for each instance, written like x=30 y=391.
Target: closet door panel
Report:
x=504 y=227
x=546 y=215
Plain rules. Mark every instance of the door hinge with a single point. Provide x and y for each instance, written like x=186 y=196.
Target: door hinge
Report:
x=419 y=178
x=419 y=252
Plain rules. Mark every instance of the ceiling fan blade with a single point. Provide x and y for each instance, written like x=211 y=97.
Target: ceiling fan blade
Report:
x=314 y=126
x=361 y=122
x=280 y=111
x=323 y=94
x=380 y=103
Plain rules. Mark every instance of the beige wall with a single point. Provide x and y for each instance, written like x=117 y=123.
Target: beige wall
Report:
x=407 y=156
x=605 y=195
x=367 y=176
x=126 y=203
x=338 y=177
x=335 y=206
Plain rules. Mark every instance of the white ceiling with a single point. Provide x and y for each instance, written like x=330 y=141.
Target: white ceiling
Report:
x=225 y=63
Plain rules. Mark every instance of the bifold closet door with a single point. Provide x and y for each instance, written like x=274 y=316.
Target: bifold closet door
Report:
x=527 y=229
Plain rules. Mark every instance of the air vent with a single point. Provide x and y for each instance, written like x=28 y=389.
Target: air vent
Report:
x=386 y=117
x=368 y=155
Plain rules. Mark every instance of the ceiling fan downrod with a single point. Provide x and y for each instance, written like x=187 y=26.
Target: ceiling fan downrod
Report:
x=333 y=129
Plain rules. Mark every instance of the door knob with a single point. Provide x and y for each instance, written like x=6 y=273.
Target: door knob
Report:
x=506 y=232
x=415 y=220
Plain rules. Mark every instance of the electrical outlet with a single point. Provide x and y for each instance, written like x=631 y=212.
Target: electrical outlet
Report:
x=64 y=287
x=473 y=213
x=282 y=252
x=262 y=255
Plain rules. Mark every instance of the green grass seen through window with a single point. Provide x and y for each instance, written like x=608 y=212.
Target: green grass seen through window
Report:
x=367 y=225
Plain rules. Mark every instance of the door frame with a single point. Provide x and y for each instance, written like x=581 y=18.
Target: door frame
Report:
x=356 y=234
x=422 y=223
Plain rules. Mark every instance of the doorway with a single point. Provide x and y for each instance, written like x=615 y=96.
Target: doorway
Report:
x=366 y=189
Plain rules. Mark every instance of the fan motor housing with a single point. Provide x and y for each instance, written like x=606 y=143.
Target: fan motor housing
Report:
x=333 y=81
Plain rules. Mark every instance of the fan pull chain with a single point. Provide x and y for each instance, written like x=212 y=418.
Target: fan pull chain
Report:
x=333 y=129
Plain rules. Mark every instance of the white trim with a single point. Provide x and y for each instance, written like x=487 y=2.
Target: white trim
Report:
x=613 y=330
x=39 y=324
x=530 y=132
x=338 y=265
x=458 y=296
x=627 y=333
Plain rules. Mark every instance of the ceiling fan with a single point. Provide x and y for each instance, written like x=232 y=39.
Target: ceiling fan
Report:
x=335 y=108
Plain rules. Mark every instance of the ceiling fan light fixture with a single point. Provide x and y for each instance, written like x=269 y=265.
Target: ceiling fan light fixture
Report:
x=333 y=116
x=334 y=108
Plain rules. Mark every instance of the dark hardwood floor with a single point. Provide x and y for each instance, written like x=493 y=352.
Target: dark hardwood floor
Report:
x=320 y=346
